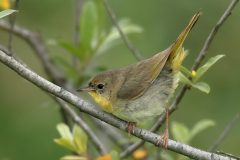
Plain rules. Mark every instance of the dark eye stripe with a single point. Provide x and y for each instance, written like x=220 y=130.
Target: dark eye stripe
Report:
x=90 y=84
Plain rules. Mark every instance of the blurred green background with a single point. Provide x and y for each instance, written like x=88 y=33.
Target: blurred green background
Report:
x=28 y=116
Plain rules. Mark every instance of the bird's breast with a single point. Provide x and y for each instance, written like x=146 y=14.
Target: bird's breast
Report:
x=152 y=103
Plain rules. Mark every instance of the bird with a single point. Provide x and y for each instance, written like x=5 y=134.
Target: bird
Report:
x=141 y=91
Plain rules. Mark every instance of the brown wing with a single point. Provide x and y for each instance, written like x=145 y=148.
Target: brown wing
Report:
x=141 y=75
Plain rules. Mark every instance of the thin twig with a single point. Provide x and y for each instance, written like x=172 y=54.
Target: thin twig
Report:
x=129 y=150
x=96 y=141
x=88 y=108
x=113 y=134
x=35 y=41
x=228 y=154
x=212 y=34
x=181 y=94
x=124 y=37
x=224 y=133
x=12 y=20
x=64 y=109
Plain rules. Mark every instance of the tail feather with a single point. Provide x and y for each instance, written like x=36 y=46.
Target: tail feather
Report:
x=177 y=51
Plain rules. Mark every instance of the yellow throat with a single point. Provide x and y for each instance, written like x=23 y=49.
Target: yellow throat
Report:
x=102 y=101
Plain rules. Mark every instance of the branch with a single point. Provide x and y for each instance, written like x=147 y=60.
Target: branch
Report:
x=83 y=125
x=36 y=43
x=112 y=133
x=39 y=47
x=88 y=108
x=212 y=34
x=225 y=132
x=124 y=37
x=195 y=66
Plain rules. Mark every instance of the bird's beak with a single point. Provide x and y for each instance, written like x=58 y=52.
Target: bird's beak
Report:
x=85 y=89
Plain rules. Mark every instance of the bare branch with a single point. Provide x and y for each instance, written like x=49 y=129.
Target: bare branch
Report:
x=35 y=41
x=181 y=94
x=213 y=33
x=40 y=49
x=83 y=125
x=88 y=108
x=225 y=132
x=124 y=37
x=113 y=134
x=228 y=154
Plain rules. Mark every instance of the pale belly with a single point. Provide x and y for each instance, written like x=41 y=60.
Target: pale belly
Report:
x=152 y=103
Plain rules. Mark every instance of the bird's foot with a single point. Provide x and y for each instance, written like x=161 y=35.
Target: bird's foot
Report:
x=131 y=126
x=163 y=140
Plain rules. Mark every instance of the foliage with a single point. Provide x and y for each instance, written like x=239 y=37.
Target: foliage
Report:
x=75 y=141
x=196 y=75
x=95 y=39
x=6 y=12
x=183 y=134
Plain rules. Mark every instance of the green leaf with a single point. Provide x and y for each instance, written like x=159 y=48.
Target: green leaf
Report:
x=203 y=69
x=184 y=79
x=202 y=86
x=71 y=48
x=101 y=20
x=201 y=126
x=64 y=131
x=185 y=70
x=71 y=157
x=66 y=143
x=180 y=132
x=100 y=68
x=67 y=67
x=115 y=155
x=80 y=139
x=113 y=37
x=166 y=156
x=7 y=12
x=88 y=24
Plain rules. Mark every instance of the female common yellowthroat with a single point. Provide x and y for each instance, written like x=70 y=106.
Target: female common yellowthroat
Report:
x=141 y=90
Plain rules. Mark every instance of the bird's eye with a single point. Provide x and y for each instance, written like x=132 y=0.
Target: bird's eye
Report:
x=100 y=86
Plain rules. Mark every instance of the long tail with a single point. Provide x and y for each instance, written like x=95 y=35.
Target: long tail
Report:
x=177 y=51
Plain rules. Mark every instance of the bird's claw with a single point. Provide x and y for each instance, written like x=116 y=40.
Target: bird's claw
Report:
x=163 y=140
x=131 y=126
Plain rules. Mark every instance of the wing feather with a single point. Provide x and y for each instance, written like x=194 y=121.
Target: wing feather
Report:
x=141 y=75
